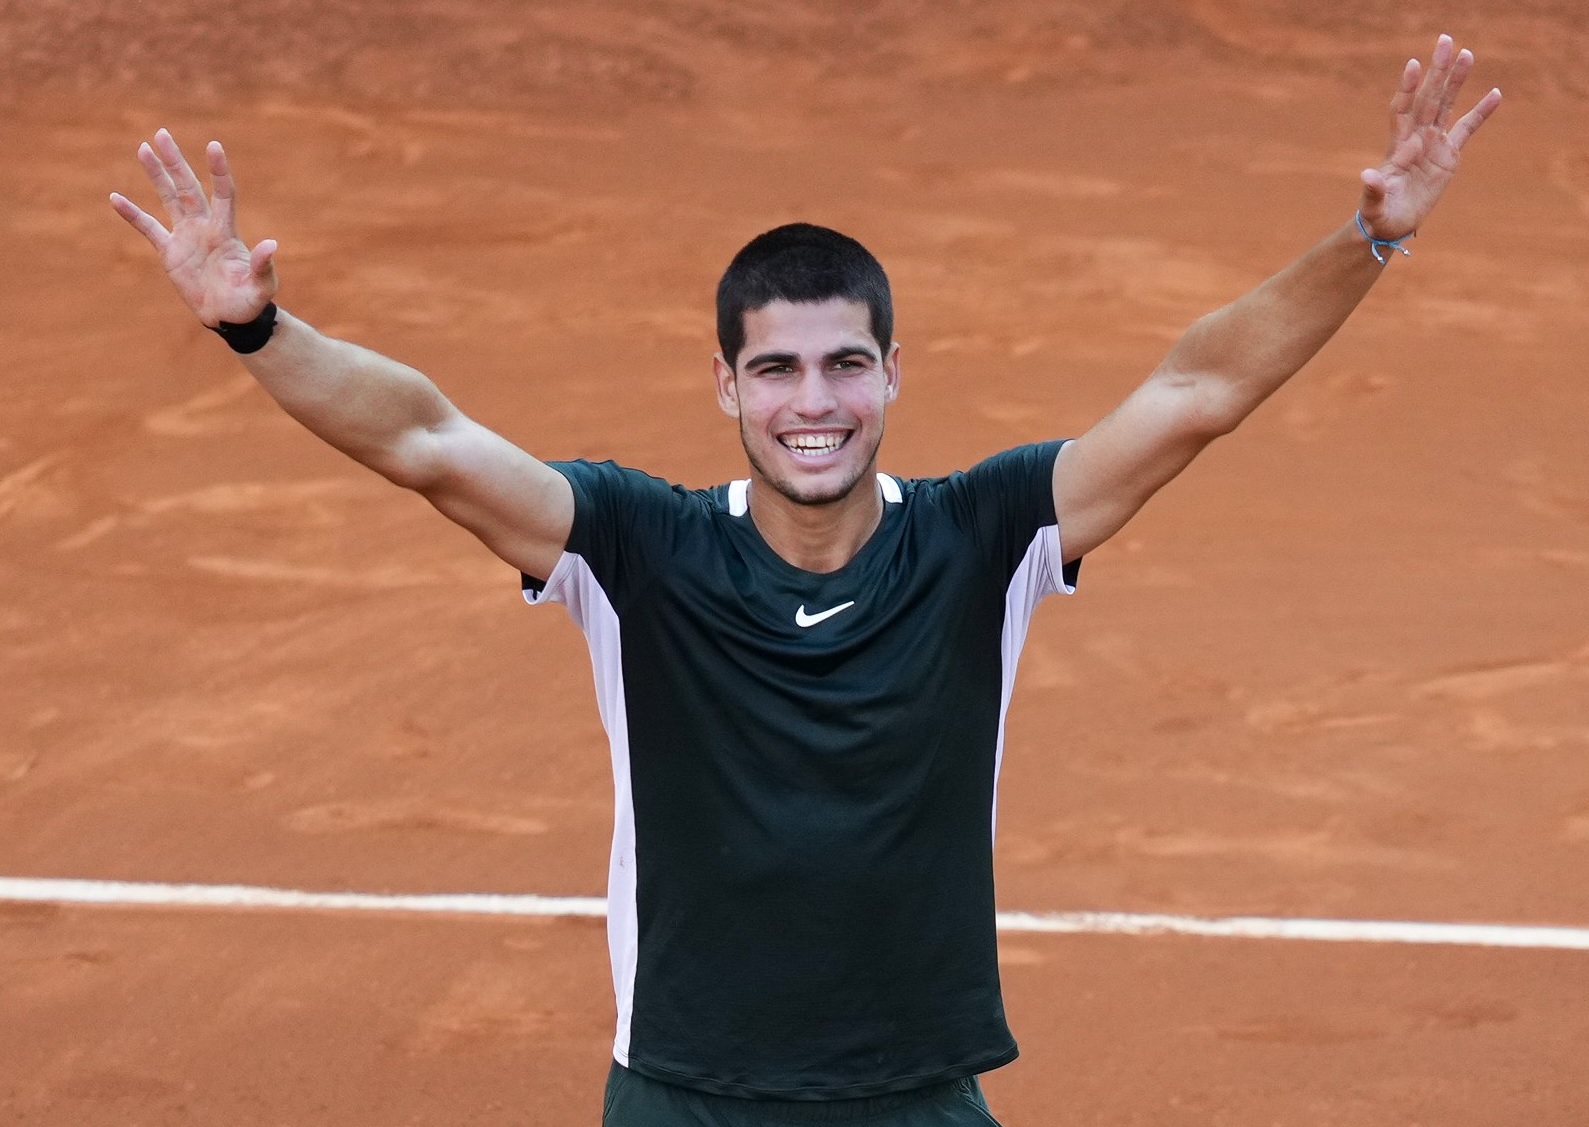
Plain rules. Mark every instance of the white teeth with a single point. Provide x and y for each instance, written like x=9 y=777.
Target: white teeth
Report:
x=813 y=443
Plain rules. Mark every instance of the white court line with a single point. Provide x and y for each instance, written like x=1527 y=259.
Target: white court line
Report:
x=128 y=893
x=124 y=893
x=1339 y=931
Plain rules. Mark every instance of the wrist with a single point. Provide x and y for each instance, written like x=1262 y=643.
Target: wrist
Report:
x=1379 y=246
x=248 y=336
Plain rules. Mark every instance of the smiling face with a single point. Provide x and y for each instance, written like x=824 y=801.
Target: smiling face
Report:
x=809 y=390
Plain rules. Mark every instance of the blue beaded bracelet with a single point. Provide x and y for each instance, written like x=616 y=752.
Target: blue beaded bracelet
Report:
x=1374 y=244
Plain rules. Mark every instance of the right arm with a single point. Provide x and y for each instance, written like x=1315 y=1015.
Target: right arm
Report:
x=383 y=414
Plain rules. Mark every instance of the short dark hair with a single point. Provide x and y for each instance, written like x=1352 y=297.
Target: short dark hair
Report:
x=800 y=262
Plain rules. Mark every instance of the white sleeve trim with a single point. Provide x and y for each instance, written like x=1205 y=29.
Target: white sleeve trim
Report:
x=554 y=590
x=574 y=585
x=1054 y=563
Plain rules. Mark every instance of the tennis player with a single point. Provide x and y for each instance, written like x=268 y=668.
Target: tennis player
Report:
x=804 y=673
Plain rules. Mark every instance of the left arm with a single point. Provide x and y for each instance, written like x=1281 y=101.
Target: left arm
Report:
x=1233 y=359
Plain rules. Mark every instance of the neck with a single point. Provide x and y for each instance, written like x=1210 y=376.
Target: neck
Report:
x=819 y=538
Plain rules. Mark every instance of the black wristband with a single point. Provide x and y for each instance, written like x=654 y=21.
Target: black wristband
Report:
x=249 y=336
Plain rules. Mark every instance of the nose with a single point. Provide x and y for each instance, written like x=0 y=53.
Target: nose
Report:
x=813 y=395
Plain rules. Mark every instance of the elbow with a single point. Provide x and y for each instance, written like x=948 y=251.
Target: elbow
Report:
x=413 y=461
x=1206 y=406
x=1219 y=418
x=404 y=475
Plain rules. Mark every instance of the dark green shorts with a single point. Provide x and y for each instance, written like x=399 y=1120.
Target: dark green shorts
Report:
x=634 y=1100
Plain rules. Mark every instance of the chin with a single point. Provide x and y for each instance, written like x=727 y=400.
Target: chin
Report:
x=812 y=494
x=810 y=491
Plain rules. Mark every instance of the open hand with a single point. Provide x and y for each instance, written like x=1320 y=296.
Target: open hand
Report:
x=216 y=273
x=1425 y=143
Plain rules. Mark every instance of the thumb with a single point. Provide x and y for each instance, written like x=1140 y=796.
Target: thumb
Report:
x=1374 y=188
x=262 y=259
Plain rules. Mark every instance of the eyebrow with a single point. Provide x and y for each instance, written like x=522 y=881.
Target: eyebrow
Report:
x=794 y=357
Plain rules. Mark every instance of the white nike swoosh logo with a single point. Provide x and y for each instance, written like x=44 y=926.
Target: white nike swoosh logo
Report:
x=804 y=619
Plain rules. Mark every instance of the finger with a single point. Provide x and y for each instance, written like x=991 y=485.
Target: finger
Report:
x=1469 y=122
x=142 y=222
x=1401 y=103
x=1427 y=104
x=160 y=179
x=190 y=193
x=1448 y=98
x=222 y=186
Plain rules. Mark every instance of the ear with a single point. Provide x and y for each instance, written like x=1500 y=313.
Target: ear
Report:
x=891 y=373
x=727 y=386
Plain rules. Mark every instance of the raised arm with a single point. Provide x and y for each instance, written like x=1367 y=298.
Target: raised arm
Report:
x=1233 y=359
x=384 y=414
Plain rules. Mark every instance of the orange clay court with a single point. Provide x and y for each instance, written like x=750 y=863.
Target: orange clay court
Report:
x=1339 y=670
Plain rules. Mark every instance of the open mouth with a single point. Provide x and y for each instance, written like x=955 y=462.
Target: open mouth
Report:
x=817 y=444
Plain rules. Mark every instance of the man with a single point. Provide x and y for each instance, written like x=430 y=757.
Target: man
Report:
x=804 y=674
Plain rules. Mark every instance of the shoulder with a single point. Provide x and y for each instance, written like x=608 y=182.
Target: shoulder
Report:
x=1021 y=475
x=608 y=481
x=617 y=507
x=608 y=475
x=999 y=505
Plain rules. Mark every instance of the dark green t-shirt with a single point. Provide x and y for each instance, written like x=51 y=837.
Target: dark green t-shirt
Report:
x=800 y=899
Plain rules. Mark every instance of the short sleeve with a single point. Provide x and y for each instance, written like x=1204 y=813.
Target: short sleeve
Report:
x=624 y=520
x=1006 y=503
